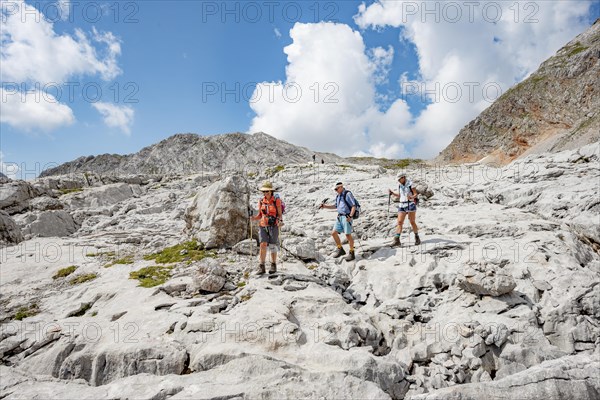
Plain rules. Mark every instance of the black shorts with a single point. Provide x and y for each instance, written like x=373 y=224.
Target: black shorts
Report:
x=268 y=234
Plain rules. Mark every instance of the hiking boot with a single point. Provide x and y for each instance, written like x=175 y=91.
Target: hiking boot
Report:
x=273 y=268
x=396 y=242
x=350 y=256
x=261 y=269
x=417 y=239
x=340 y=252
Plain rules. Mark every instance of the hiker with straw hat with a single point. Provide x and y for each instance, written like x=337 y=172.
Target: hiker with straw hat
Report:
x=270 y=217
x=409 y=198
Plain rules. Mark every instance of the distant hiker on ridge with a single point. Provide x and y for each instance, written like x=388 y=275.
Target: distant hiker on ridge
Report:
x=345 y=203
x=408 y=205
x=270 y=216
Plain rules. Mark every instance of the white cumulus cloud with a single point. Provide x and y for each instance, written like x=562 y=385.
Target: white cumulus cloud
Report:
x=34 y=111
x=464 y=66
x=328 y=99
x=116 y=116
x=471 y=51
x=35 y=56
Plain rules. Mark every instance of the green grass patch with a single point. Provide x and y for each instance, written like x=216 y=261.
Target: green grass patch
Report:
x=101 y=254
x=312 y=266
x=272 y=171
x=402 y=163
x=241 y=284
x=123 y=261
x=83 y=278
x=188 y=251
x=61 y=273
x=575 y=49
x=67 y=191
x=245 y=297
x=25 y=312
x=152 y=276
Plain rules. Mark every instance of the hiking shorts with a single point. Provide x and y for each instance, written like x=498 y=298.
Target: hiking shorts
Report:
x=269 y=235
x=406 y=208
x=342 y=225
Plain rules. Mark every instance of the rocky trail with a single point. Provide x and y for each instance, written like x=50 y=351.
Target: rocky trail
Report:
x=142 y=287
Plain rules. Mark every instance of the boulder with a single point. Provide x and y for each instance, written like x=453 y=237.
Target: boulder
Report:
x=303 y=248
x=45 y=203
x=486 y=279
x=210 y=276
x=218 y=215
x=15 y=195
x=102 y=196
x=423 y=190
x=4 y=178
x=10 y=233
x=246 y=247
x=50 y=224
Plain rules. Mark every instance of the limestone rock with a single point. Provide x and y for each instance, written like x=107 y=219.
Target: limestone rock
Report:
x=10 y=233
x=15 y=196
x=51 y=224
x=246 y=247
x=218 y=215
x=486 y=279
x=535 y=115
x=210 y=276
x=303 y=248
x=568 y=377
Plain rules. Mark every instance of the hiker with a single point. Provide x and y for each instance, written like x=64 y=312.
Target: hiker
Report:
x=345 y=203
x=270 y=216
x=409 y=198
x=314 y=157
x=322 y=161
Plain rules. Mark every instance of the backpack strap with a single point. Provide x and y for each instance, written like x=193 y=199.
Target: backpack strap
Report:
x=344 y=195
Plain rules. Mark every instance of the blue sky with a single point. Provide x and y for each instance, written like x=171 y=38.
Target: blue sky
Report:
x=155 y=61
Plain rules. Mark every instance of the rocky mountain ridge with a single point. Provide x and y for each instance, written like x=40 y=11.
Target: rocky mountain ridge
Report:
x=556 y=108
x=189 y=153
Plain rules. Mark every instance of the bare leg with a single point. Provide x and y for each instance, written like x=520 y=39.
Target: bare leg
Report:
x=336 y=237
x=350 y=241
x=263 y=252
x=412 y=218
x=401 y=217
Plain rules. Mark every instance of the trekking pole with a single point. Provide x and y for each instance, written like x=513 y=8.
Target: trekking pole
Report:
x=318 y=208
x=251 y=237
x=389 y=204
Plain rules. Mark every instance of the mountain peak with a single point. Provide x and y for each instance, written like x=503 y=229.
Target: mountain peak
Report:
x=188 y=153
x=556 y=108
